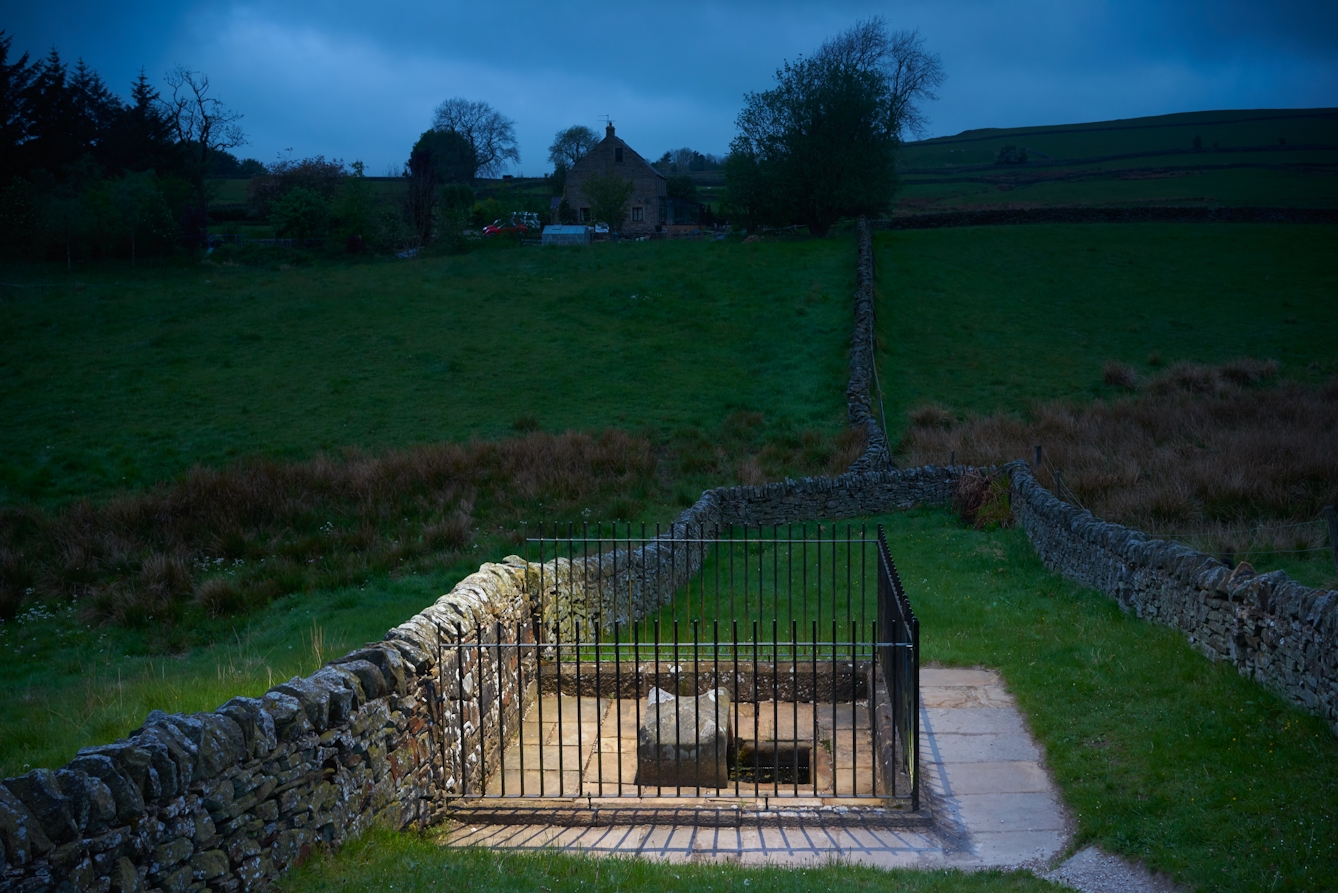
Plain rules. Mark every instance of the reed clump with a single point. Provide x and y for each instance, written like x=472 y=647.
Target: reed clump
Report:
x=228 y=540
x=1204 y=453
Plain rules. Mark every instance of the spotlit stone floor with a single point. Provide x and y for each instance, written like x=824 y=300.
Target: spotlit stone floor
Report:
x=984 y=782
x=587 y=747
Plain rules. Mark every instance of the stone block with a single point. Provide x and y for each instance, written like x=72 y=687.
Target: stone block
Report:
x=684 y=741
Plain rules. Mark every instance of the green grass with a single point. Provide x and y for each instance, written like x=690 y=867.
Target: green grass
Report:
x=71 y=685
x=989 y=319
x=959 y=171
x=408 y=862
x=1160 y=754
x=117 y=377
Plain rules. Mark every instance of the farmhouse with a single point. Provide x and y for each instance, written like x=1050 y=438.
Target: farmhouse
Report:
x=650 y=209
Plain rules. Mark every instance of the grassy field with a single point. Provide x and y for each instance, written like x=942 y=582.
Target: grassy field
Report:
x=1267 y=157
x=114 y=378
x=990 y=320
x=984 y=319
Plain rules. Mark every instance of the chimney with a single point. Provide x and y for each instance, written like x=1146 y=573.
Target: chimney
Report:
x=608 y=130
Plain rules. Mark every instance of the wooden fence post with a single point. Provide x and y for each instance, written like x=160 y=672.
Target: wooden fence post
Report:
x=1332 y=517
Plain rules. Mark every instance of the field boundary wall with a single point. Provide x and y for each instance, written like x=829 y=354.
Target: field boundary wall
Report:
x=1271 y=628
x=1011 y=216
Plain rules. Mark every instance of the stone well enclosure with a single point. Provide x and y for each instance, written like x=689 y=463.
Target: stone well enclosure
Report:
x=226 y=800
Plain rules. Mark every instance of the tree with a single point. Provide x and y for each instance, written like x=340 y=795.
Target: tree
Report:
x=681 y=186
x=316 y=174
x=141 y=137
x=490 y=134
x=355 y=208
x=135 y=199
x=910 y=75
x=301 y=213
x=439 y=158
x=821 y=144
x=608 y=195
x=15 y=79
x=200 y=122
x=571 y=145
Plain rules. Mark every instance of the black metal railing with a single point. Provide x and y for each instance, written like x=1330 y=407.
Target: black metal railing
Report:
x=743 y=662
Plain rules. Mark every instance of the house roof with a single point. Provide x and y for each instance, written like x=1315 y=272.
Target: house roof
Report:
x=613 y=141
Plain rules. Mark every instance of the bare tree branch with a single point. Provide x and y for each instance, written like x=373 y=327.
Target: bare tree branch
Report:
x=489 y=132
x=571 y=145
x=899 y=57
x=200 y=122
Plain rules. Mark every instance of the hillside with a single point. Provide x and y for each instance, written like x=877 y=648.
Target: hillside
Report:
x=1255 y=157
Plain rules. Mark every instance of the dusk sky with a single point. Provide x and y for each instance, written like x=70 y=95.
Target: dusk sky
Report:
x=360 y=81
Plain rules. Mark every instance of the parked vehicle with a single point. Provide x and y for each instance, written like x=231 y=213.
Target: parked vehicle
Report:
x=521 y=222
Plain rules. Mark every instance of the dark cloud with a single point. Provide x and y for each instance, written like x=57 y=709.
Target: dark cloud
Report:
x=357 y=80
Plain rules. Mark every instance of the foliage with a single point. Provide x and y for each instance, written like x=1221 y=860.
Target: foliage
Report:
x=355 y=207
x=315 y=175
x=571 y=145
x=821 y=145
x=1011 y=154
x=444 y=154
x=681 y=186
x=490 y=134
x=608 y=195
x=301 y=213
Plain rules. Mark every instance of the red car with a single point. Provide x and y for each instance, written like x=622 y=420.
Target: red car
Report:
x=497 y=226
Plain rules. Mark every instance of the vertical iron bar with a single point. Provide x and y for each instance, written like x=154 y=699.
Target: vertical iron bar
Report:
x=501 y=710
x=659 y=709
x=618 y=700
x=696 y=700
x=636 y=669
x=757 y=715
x=599 y=714
x=775 y=706
x=678 y=731
x=737 y=688
x=580 y=712
x=460 y=706
x=520 y=702
x=817 y=741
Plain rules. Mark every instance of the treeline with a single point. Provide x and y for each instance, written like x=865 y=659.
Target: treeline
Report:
x=86 y=173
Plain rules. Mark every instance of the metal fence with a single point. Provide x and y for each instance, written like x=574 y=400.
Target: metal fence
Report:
x=748 y=662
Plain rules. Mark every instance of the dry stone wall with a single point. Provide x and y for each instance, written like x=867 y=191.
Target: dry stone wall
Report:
x=1274 y=630
x=227 y=800
x=877 y=454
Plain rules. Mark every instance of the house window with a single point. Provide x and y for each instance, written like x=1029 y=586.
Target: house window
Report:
x=636 y=215
x=585 y=215
x=618 y=154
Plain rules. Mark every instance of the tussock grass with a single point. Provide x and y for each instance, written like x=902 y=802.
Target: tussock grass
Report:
x=232 y=539
x=1204 y=452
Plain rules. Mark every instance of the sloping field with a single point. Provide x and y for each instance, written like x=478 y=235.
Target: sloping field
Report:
x=1260 y=157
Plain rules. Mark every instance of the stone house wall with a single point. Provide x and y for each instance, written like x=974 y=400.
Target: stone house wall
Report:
x=649 y=185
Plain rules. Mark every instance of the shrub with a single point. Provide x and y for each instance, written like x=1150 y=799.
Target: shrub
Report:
x=1120 y=375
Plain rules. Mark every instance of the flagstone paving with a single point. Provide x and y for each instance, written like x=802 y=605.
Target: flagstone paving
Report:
x=983 y=781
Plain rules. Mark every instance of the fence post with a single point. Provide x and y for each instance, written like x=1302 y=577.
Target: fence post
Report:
x=1036 y=463
x=1331 y=516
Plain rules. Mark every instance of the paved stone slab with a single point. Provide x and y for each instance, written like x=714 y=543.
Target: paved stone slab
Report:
x=982 y=777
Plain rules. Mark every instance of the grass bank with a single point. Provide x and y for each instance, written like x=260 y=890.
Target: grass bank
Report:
x=1119 y=349
x=117 y=377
